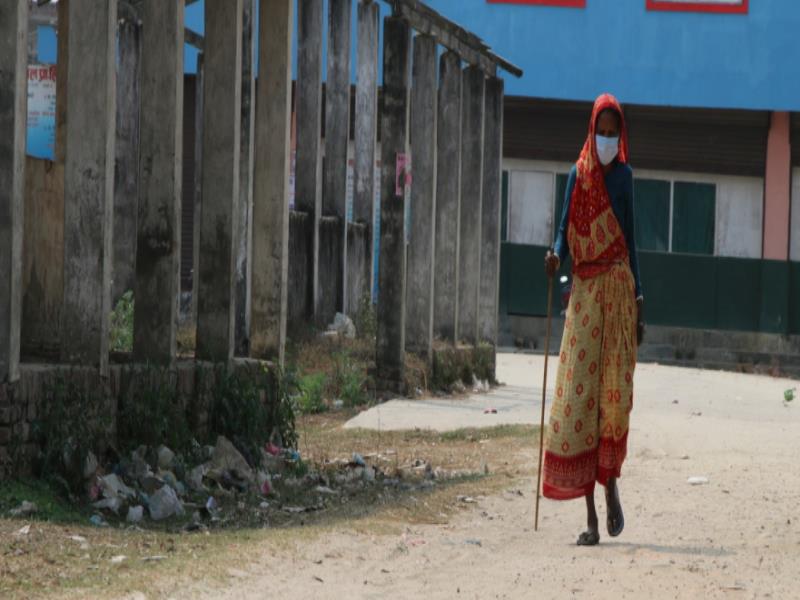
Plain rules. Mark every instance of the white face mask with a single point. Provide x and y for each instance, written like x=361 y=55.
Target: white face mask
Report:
x=607 y=148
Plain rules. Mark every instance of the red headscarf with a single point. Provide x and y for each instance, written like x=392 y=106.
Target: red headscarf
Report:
x=595 y=236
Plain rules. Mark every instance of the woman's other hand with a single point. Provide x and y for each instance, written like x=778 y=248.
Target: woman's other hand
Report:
x=551 y=263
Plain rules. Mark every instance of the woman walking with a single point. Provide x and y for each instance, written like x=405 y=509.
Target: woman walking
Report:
x=588 y=433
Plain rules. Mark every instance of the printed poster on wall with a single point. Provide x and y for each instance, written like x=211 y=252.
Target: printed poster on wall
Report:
x=41 y=111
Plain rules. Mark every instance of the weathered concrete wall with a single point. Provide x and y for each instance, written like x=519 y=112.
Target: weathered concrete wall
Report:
x=308 y=161
x=299 y=283
x=244 y=208
x=469 y=239
x=419 y=296
x=270 y=257
x=448 y=192
x=359 y=265
x=489 y=286
x=337 y=133
x=160 y=184
x=89 y=182
x=22 y=402
x=331 y=240
x=390 y=351
x=43 y=255
x=359 y=248
x=221 y=147
x=126 y=170
x=13 y=104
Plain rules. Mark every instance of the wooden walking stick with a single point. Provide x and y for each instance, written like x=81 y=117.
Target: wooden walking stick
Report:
x=544 y=391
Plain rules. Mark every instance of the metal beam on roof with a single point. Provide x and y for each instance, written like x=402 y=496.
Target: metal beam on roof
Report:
x=466 y=44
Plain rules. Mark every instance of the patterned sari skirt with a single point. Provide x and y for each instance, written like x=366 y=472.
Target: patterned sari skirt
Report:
x=588 y=433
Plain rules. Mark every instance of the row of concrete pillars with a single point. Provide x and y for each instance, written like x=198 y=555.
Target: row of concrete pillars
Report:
x=257 y=266
x=440 y=150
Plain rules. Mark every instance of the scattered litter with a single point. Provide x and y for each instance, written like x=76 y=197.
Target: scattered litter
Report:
x=78 y=538
x=156 y=558
x=97 y=521
x=342 y=325
x=358 y=460
x=338 y=404
x=195 y=478
x=113 y=487
x=698 y=480
x=90 y=465
x=264 y=505
x=227 y=458
x=24 y=510
x=272 y=449
x=264 y=483
x=473 y=542
x=467 y=499
x=490 y=411
x=166 y=458
x=164 y=504
x=135 y=514
x=151 y=484
x=23 y=531
x=788 y=395
x=324 y=489
x=697 y=414
x=118 y=560
x=211 y=504
x=113 y=504
x=295 y=510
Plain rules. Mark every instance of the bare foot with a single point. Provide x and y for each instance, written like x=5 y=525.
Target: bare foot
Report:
x=615 y=520
x=589 y=538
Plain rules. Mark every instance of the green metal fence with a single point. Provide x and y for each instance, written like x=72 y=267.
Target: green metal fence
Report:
x=681 y=290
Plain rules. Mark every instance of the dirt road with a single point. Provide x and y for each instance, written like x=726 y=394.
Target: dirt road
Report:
x=738 y=536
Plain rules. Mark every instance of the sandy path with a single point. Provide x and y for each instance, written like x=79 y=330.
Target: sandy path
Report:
x=736 y=537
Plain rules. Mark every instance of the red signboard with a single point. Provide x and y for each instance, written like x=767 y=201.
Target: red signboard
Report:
x=564 y=3
x=740 y=7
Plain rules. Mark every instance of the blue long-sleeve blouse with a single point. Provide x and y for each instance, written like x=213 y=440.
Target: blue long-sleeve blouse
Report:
x=619 y=183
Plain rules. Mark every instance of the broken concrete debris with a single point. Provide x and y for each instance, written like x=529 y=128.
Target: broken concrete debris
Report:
x=25 y=509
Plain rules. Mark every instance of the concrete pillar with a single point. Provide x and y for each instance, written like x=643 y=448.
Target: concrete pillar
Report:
x=419 y=297
x=160 y=183
x=332 y=253
x=270 y=256
x=222 y=113
x=308 y=162
x=390 y=351
x=126 y=175
x=448 y=193
x=89 y=182
x=777 y=189
x=13 y=118
x=62 y=74
x=244 y=210
x=359 y=234
x=198 y=182
x=469 y=250
x=489 y=288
